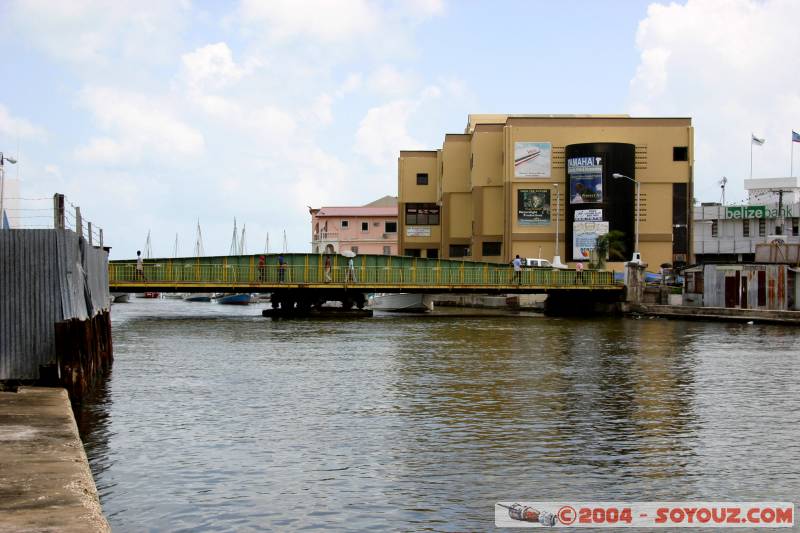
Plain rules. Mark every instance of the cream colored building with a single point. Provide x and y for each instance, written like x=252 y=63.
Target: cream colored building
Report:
x=510 y=183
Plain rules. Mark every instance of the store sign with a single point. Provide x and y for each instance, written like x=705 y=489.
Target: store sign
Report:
x=757 y=211
x=585 y=180
x=584 y=238
x=418 y=231
x=533 y=207
x=589 y=215
x=532 y=159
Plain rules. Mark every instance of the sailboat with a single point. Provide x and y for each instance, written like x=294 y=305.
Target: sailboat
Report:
x=174 y=295
x=198 y=252
x=238 y=245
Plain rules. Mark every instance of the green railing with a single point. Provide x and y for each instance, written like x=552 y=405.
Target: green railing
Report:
x=367 y=271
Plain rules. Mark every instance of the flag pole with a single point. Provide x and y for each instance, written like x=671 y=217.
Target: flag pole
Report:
x=791 y=158
x=751 y=155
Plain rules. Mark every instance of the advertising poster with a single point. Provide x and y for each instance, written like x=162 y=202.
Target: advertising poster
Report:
x=533 y=207
x=584 y=238
x=532 y=159
x=585 y=180
x=589 y=215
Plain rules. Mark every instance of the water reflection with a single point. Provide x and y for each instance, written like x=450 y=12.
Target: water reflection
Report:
x=229 y=421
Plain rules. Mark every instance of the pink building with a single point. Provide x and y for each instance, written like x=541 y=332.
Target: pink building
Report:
x=369 y=229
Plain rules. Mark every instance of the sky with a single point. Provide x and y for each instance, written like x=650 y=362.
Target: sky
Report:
x=153 y=116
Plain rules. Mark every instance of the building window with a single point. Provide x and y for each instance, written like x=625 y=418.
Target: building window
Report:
x=492 y=248
x=715 y=228
x=387 y=250
x=345 y=224
x=390 y=227
x=459 y=250
x=365 y=226
x=432 y=253
x=422 y=215
x=412 y=252
x=762 y=227
x=796 y=226
x=422 y=179
x=745 y=228
x=354 y=249
x=680 y=153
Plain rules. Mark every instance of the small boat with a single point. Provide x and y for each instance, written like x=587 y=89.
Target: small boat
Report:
x=234 y=299
x=198 y=297
x=402 y=302
x=148 y=295
x=120 y=297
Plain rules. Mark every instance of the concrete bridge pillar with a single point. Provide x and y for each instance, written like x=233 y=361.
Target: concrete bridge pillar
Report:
x=634 y=282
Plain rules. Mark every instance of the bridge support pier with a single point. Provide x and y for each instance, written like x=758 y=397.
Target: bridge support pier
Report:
x=289 y=300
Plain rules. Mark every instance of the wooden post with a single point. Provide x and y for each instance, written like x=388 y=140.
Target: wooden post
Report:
x=89 y=226
x=101 y=237
x=78 y=222
x=58 y=211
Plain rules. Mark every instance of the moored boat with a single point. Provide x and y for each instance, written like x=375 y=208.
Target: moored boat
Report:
x=120 y=297
x=198 y=297
x=234 y=299
x=402 y=302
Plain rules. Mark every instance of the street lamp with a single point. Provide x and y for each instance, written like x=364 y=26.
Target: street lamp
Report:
x=13 y=161
x=556 y=257
x=637 y=257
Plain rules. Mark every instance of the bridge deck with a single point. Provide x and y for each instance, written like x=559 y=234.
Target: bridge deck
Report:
x=372 y=273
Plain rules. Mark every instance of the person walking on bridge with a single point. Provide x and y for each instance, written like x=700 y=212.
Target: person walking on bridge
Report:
x=139 y=266
x=351 y=270
x=517 y=262
x=281 y=269
x=262 y=268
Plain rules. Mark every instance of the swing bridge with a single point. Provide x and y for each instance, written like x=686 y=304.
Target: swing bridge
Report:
x=311 y=276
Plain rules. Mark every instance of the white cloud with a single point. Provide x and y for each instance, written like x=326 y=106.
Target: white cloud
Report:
x=731 y=66
x=388 y=81
x=94 y=31
x=141 y=128
x=211 y=66
x=325 y=20
x=14 y=127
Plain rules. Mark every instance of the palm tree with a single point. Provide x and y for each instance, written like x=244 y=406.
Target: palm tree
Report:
x=611 y=246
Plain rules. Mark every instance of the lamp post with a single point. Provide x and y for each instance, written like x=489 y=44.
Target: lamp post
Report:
x=13 y=161
x=637 y=257
x=556 y=256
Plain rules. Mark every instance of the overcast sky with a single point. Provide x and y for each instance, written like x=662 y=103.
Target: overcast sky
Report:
x=153 y=115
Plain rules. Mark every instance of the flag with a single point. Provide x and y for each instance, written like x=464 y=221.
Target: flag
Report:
x=795 y=137
x=756 y=140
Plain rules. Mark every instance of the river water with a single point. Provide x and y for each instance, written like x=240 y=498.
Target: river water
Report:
x=214 y=418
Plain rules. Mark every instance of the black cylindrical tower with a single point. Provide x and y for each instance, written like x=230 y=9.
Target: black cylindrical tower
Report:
x=596 y=198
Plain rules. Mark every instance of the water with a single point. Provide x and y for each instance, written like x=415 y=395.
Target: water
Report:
x=215 y=418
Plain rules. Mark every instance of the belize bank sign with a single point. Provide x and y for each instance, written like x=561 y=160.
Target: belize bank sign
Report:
x=757 y=211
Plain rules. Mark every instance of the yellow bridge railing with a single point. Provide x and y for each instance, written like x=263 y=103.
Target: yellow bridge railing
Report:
x=311 y=270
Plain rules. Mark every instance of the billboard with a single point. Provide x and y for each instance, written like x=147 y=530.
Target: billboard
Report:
x=584 y=238
x=533 y=207
x=532 y=159
x=589 y=215
x=585 y=180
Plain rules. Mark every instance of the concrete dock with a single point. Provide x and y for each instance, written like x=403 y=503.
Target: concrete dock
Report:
x=45 y=480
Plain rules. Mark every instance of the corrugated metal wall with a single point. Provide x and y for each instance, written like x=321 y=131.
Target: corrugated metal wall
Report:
x=775 y=289
x=45 y=276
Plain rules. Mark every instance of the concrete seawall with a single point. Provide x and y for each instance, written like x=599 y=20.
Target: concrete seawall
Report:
x=725 y=314
x=45 y=480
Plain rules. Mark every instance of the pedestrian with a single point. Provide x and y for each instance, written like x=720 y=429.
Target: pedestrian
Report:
x=139 y=266
x=327 y=268
x=262 y=268
x=579 y=271
x=517 y=262
x=281 y=268
x=351 y=270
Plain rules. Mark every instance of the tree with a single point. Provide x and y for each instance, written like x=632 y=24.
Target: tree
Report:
x=611 y=246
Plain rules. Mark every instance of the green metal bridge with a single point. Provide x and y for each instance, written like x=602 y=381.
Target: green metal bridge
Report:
x=370 y=273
